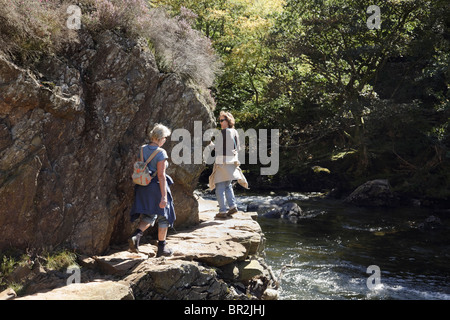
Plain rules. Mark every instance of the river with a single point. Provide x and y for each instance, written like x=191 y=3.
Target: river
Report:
x=326 y=255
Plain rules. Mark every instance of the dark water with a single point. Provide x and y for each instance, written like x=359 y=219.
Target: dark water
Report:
x=326 y=254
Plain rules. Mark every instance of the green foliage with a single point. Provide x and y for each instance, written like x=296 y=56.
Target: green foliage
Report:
x=11 y=262
x=337 y=76
x=7 y=265
x=332 y=53
x=60 y=260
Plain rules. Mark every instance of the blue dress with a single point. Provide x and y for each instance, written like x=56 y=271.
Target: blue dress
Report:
x=147 y=198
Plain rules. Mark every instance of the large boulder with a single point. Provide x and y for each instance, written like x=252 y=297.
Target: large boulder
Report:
x=277 y=207
x=374 y=193
x=69 y=133
x=177 y=280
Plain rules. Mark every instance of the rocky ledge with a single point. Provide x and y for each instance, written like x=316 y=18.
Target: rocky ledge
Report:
x=216 y=259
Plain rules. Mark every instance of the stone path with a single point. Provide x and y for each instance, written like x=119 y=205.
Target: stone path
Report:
x=207 y=259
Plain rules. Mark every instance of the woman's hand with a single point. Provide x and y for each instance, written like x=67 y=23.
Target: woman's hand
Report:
x=163 y=203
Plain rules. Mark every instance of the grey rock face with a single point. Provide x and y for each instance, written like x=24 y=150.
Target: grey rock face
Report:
x=69 y=133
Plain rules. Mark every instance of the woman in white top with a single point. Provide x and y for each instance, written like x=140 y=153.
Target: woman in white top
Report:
x=226 y=165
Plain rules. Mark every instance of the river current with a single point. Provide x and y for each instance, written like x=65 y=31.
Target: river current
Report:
x=326 y=254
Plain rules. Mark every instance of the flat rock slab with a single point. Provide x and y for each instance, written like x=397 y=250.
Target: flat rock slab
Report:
x=218 y=242
x=8 y=294
x=105 y=290
x=119 y=263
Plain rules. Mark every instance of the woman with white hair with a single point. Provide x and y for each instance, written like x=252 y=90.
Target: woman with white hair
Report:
x=154 y=202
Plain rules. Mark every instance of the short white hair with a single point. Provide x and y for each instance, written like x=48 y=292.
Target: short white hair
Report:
x=159 y=132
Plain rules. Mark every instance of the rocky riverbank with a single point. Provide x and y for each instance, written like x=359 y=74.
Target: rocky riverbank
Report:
x=216 y=259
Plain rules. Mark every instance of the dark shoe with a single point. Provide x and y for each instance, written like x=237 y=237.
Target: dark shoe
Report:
x=133 y=242
x=232 y=211
x=221 y=215
x=163 y=250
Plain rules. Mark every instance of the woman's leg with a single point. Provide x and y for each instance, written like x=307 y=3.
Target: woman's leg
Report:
x=162 y=233
x=144 y=224
x=220 y=195
x=163 y=226
x=229 y=194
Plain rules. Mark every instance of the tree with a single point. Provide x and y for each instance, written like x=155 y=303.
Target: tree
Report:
x=340 y=56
